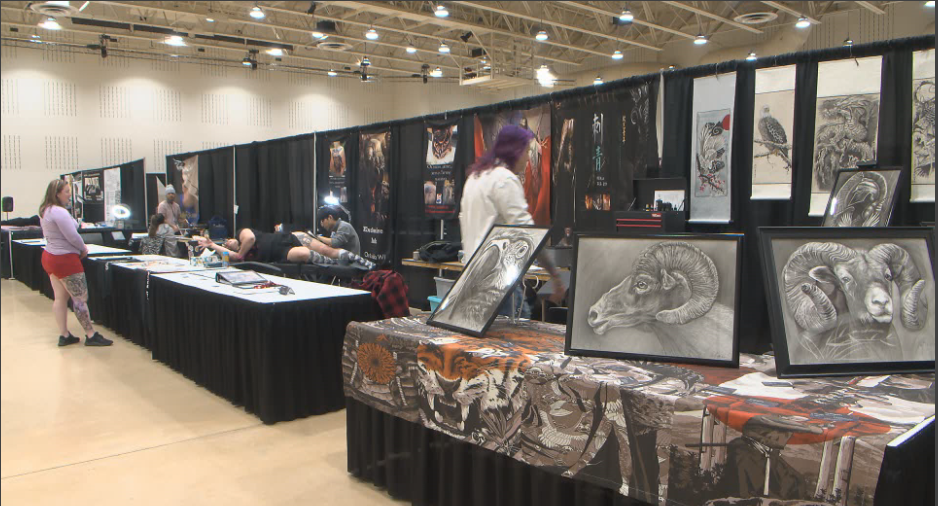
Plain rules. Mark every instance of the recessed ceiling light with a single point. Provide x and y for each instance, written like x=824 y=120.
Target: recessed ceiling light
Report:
x=752 y=56
x=175 y=40
x=257 y=13
x=701 y=39
x=371 y=34
x=50 y=24
x=598 y=80
x=441 y=11
x=210 y=20
x=541 y=35
x=626 y=16
x=332 y=73
x=275 y=51
x=802 y=22
x=444 y=48
x=617 y=55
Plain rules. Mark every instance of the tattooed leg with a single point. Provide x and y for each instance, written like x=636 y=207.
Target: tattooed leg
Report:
x=60 y=305
x=78 y=289
x=316 y=246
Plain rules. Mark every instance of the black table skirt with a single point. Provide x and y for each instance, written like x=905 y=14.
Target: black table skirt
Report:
x=429 y=468
x=27 y=265
x=129 y=313
x=280 y=361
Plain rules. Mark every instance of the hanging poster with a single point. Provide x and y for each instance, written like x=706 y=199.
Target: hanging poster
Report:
x=711 y=149
x=439 y=175
x=185 y=178
x=536 y=175
x=112 y=191
x=374 y=195
x=338 y=187
x=94 y=186
x=564 y=175
x=923 y=126
x=78 y=195
x=846 y=122
x=598 y=189
x=773 y=132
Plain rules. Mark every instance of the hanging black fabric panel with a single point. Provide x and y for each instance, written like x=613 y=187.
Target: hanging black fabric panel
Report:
x=414 y=228
x=132 y=192
x=275 y=183
x=678 y=109
x=216 y=185
x=246 y=187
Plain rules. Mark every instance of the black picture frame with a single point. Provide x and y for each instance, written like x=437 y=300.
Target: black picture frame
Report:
x=784 y=367
x=571 y=298
x=443 y=303
x=844 y=174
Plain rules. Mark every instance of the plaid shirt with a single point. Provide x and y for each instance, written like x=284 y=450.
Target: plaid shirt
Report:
x=389 y=290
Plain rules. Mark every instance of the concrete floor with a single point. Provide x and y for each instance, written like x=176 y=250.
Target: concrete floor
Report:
x=110 y=426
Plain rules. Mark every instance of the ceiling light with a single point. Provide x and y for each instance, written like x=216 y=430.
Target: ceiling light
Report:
x=626 y=16
x=247 y=61
x=444 y=48
x=175 y=40
x=365 y=62
x=257 y=13
x=50 y=24
x=541 y=35
x=930 y=4
x=34 y=36
x=371 y=34
x=83 y=6
x=441 y=11
x=332 y=73
x=670 y=67
x=752 y=56
x=411 y=49
x=598 y=80
x=210 y=20
x=701 y=39
x=275 y=51
x=617 y=55
x=802 y=22
x=848 y=42
x=437 y=72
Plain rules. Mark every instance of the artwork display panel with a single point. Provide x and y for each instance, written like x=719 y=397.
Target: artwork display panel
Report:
x=672 y=298
x=863 y=198
x=712 y=149
x=846 y=122
x=439 y=187
x=850 y=301
x=112 y=192
x=923 y=126
x=496 y=267
x=184 y=176
x=374 y=195
x=338 y=164
x=773 y=127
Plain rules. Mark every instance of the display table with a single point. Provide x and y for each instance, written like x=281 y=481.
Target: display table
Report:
x=277 y=355
x=27 y=262
x=509 y=417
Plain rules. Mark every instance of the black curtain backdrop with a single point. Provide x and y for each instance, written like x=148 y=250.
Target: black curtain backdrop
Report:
x=274 y=181
x=132 y=192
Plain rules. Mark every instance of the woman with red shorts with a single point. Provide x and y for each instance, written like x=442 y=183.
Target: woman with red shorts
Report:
x=61 y=259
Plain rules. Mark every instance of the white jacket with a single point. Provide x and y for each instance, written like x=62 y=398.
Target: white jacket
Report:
x=495 y=196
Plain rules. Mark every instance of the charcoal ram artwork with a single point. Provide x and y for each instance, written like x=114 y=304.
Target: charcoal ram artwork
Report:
x=670 y=299
x=500 y=261
x=862 y=199
x=851 y=303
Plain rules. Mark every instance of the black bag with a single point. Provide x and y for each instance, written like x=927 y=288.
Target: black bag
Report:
x=217 y=228
x=440 y=251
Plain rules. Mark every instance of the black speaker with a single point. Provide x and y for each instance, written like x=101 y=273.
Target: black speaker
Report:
x=8 y=204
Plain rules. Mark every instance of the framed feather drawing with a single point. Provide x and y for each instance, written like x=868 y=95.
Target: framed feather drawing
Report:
x=863 y=198
x=489 y=279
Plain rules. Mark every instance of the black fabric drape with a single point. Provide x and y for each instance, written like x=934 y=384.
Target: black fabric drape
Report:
x=275 y=183
x=132 y=317
x=216 y=185
x=132 y=193
x=678 y=109
x=280 y=361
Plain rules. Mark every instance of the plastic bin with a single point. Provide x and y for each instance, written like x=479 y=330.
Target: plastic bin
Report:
x=434 y=302
x=442 y=286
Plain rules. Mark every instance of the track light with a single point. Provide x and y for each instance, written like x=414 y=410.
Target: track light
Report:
x=752 y=56
x=257 y=13
x=848 y=42
x=411 y=49
x=617 y=55
x=275 y=51
x=371 y=34
x=441 y=11
x=541 y=35
x=701 y=39
x=50 y=24
x=332 y=73
x=175 y=40
x=802 y=22
x=444 y=48
x=598 y=80
x=626 y=16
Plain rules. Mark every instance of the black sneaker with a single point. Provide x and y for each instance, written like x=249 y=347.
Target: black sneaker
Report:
x=97 y=340
x=65 y=341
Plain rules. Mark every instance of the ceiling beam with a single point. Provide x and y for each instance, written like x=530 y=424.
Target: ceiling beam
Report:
x=872 y=8
x=486 y=6
x=784 y=8
x=707 y=14
x=637 y=21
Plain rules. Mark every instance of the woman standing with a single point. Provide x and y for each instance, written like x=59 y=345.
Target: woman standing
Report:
x=61 y=259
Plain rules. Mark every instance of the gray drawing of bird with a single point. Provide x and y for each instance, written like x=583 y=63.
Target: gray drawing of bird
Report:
x=774 y=137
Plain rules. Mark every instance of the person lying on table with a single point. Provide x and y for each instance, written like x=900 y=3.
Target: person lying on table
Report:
x=342 y=234
x=253 y=245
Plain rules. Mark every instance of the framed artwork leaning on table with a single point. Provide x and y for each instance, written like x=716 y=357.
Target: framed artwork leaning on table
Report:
x=863 y=198
x=492 y=273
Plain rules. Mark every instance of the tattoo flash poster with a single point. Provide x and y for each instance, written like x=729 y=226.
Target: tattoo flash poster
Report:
x=536 y=176
x=923 y=126
x=711 y=149
x=112 y=191
x=374 y=195
x=439 y=175
x=338 y=163
x=846 y=122
x=184 y=177
x=773 y=128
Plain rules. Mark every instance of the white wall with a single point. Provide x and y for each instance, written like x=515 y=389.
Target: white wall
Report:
x=63 y=111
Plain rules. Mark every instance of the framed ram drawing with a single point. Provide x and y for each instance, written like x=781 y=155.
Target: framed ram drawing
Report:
x=863 y=198
x=496 y=267
x=850 y=301
x=658 y=297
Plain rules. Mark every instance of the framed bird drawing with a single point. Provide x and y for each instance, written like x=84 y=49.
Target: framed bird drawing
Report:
x=773 y=133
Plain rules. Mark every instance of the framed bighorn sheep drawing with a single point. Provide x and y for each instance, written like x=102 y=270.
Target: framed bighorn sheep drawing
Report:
x=850 y=301
x=670 y=298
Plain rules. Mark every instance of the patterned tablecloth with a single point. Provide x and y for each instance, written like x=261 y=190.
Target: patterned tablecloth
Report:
x=662 y=433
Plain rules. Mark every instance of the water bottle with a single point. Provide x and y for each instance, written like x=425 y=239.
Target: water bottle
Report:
x=224 y=259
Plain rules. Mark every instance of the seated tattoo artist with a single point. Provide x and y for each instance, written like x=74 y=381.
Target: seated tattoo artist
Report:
x=271 y=247
x=342 y=234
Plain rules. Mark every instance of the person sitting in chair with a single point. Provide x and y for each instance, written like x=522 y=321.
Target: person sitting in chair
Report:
x=342 y=235
x=272 y=247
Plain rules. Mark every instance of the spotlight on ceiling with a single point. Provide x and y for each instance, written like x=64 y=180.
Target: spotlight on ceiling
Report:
x=319 y=35
x=257 y=13
x=210 y=20
x=371 y=34
x=275 y=51
x=617 y=55
x=751 y=56
x=411 y=49
x=437 y=72
x=848 y=42
x=444 y=48
x=175 y=40
x=598 y=80
x=246 y=61
x=365 y=61
x=332 y=73
x=802 y=22
x=541 y=35
x=441 y=11
x=701 y=39
x=626 y=16
x=50 y=24
x=930 y=4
